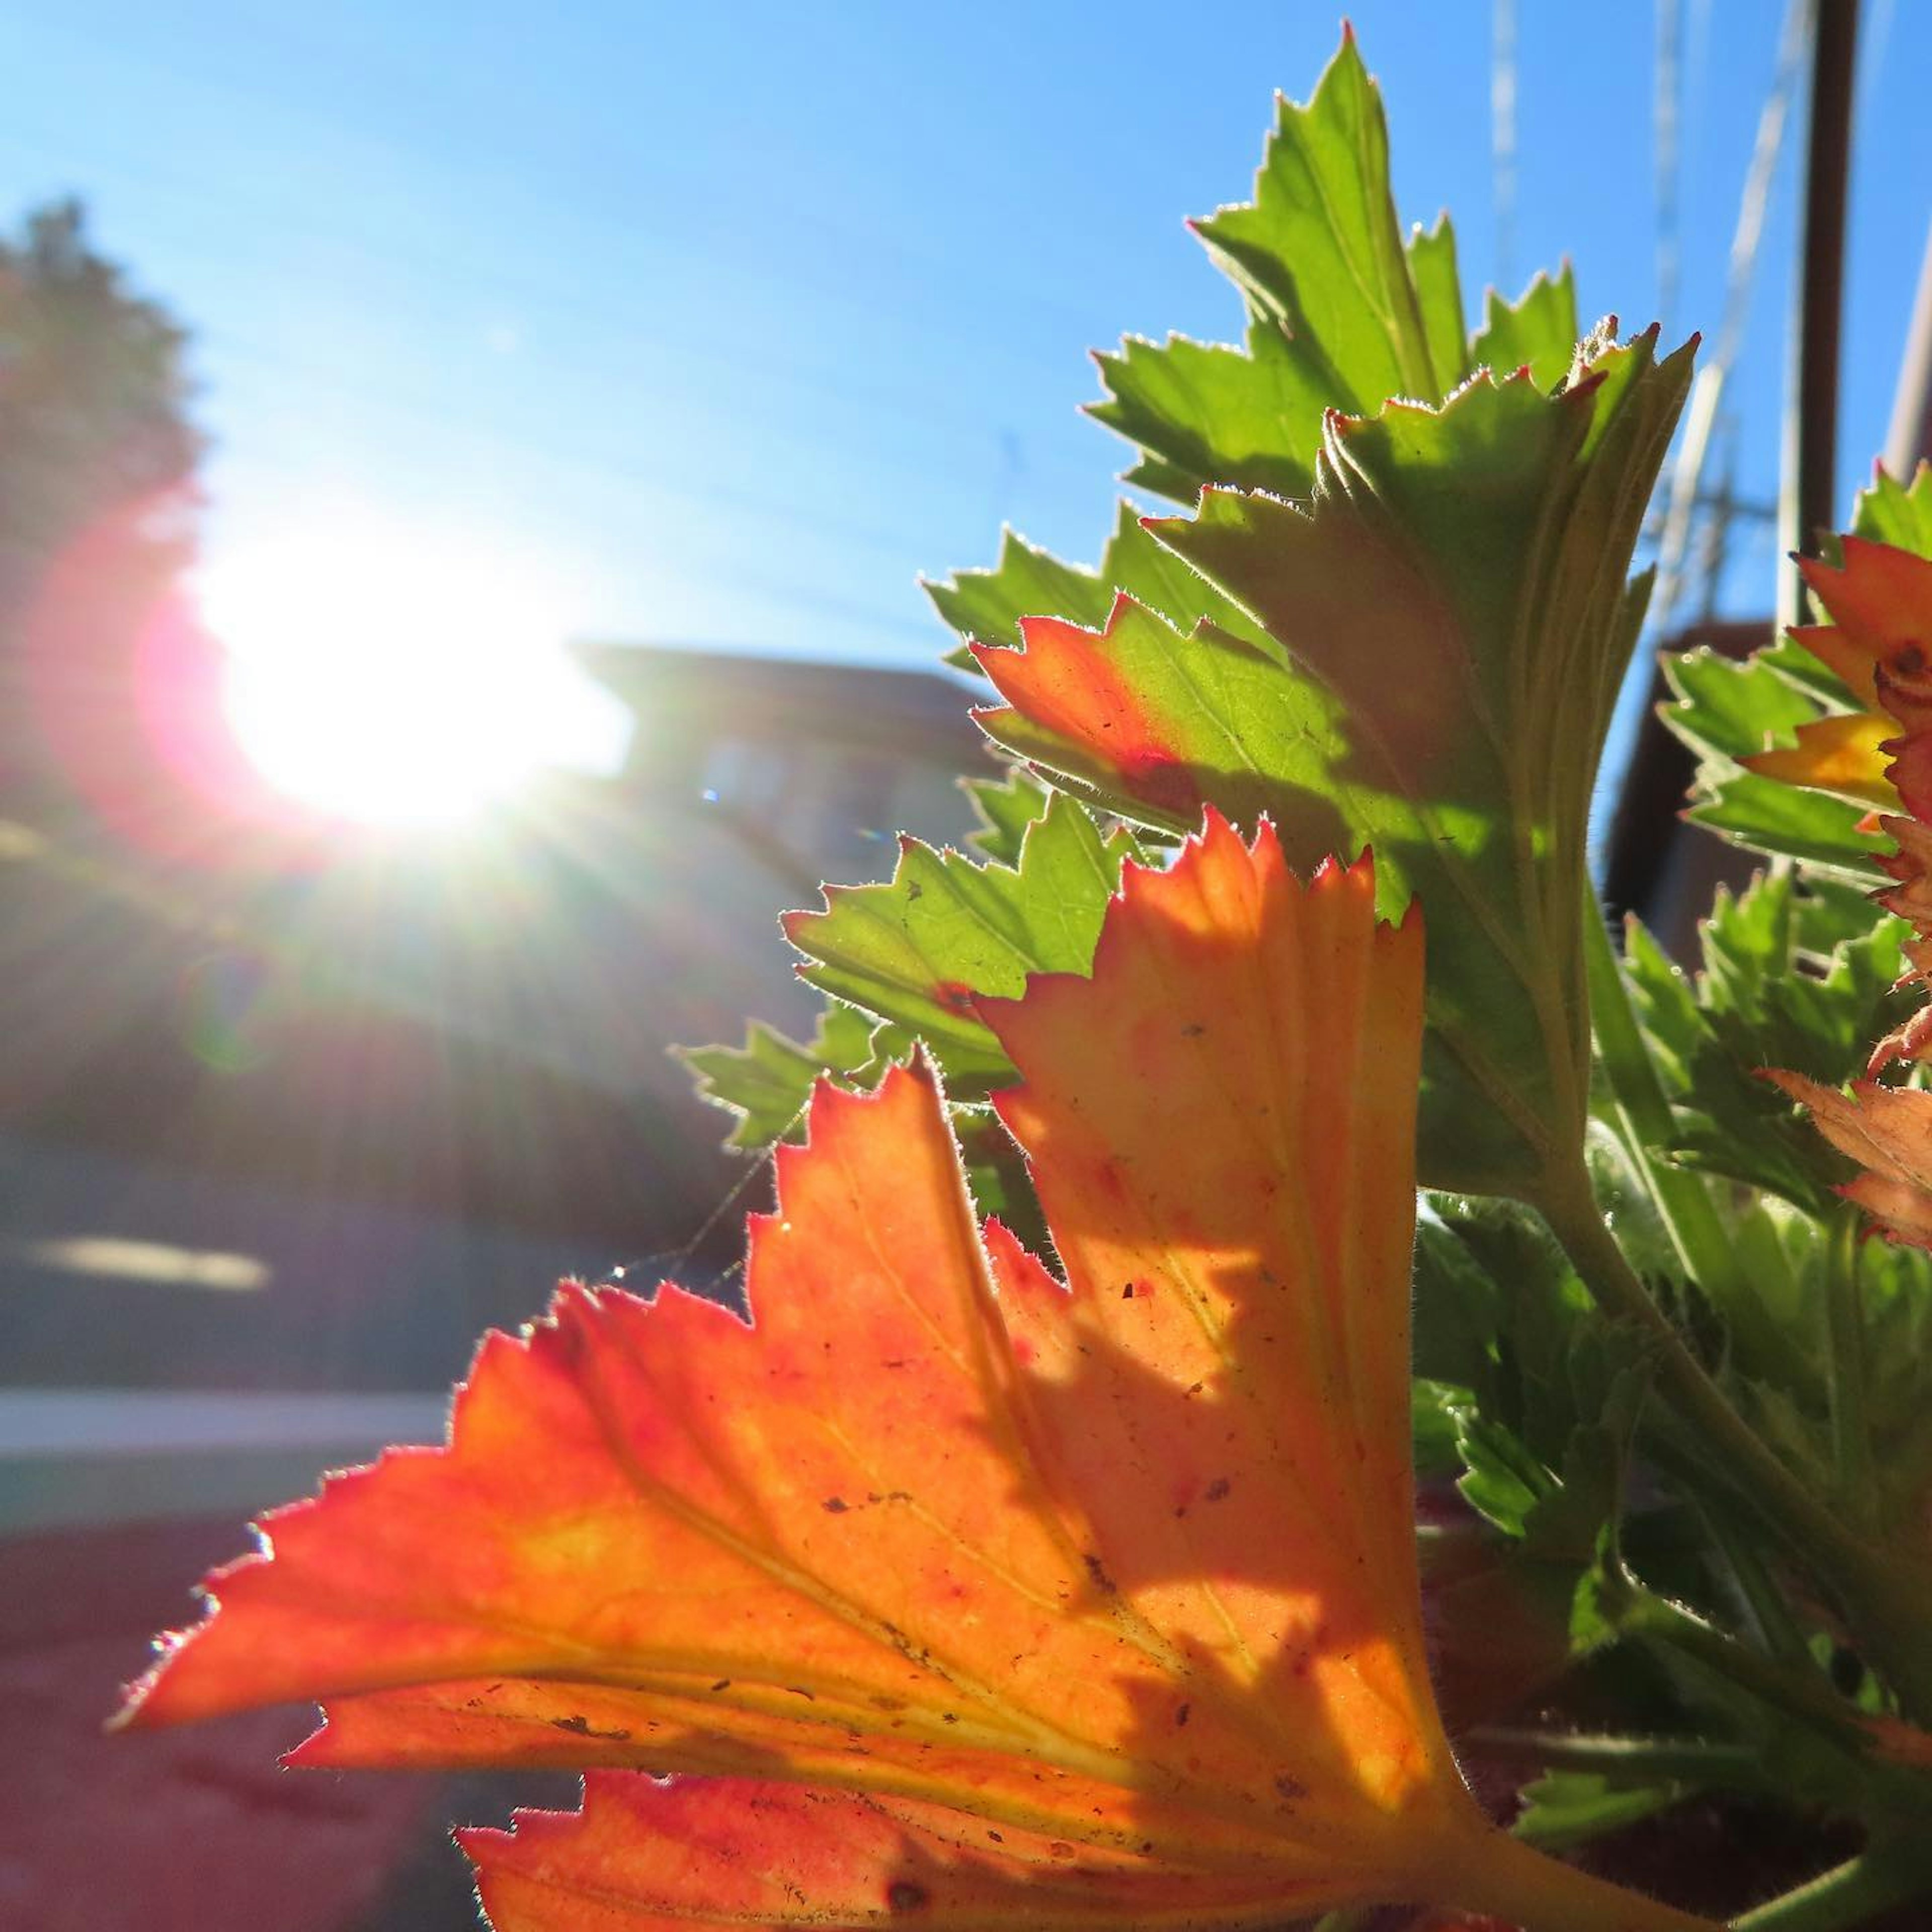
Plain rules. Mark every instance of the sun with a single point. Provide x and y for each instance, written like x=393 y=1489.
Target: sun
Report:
x=399 y=677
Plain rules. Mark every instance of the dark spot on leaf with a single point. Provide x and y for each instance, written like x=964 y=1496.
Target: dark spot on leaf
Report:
x=1127 y=1293
x=949 y=1717
x=903 y=1894
x=954 y=994
x=1181 y=1716
x=1217 y=1490
x=835 y=1506
x=582 y=1727
x=798 y=1690
x=723 y=1683
x=1061 y=1849
x=914 y=893
x=1290 y=1787
x=1097 y=1570
x=998 y=1837
x=1193 y=1031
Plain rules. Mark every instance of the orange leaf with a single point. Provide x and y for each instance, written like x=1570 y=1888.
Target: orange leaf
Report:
x=1880 y=600
x=1888 y=1131
x=644 y=1856
x=1880 y=644
x=1117 y=1577
x=1847 y=753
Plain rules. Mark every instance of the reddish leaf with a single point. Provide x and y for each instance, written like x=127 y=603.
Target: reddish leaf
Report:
x=1071 y=1603
x=643 y=1856
x=1888 y=1131
x=1880 y=644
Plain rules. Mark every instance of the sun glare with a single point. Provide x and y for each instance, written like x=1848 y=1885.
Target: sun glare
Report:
x=400 y=678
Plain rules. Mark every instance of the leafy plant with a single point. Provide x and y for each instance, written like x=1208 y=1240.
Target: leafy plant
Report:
x=1069 y=1566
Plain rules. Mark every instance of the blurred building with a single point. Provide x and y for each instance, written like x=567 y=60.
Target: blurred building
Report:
x=300 y=1124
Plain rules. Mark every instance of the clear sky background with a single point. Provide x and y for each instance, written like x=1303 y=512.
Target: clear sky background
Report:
x=729 y=320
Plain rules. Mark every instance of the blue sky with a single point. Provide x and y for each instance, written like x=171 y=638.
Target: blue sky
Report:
x=731 y=320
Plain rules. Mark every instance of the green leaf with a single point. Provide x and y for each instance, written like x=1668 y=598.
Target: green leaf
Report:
x=1436 y=1414
x=986 y=606
x=1733 y=707
x=1343 y=315
x=1726 y=709
x=919 y=950
x=766 y=1081
x=1779 y=1370
x=1432 y=651
x=1563 y=1808
x=1789 y=821
x=1438 y=294
x=1538 y=332
x=1207 y=412
x=1893 y=512
x=1007 y=806
x=1318 y=251
x=1541 y=1394
x=1758 y=1000
x=989 y=604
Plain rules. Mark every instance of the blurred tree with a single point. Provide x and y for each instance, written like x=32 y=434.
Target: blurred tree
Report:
x=97 y=499
x=93 y=401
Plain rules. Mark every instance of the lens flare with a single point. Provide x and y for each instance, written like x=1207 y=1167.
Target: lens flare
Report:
x=400 y=678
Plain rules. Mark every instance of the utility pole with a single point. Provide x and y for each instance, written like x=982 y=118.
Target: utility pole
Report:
x=1811 y=446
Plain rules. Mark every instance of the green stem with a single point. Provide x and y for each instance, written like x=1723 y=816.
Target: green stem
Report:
x=1689 y=1760
x=1879 y=1876
x=1521 y=1886
x=1803 y=1694
x=1845 y=1341
x=1778 y=1629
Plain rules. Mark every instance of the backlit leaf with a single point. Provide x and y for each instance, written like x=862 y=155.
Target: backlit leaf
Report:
x=1319 y=252
x=1758 y=1001
x=1442 y=632
x=922 y=949
x=1007 y=807
x=1123 y=1568
x=767 y=1081
x=1892 y=512
x=1538 y=332
x=646 y=1856
x=986 y=606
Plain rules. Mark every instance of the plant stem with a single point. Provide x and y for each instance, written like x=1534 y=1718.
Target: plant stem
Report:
x=1778 y=1629
x=1803 y=1694
x=1845 y=1342
x=1848 y=1894
x=1644 y=1113
x=1526 y=1887
x=1691 y=1759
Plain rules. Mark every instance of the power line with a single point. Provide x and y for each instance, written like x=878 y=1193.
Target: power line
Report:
x=1502 y=138
x=1701 y=416
x=1667 y=115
